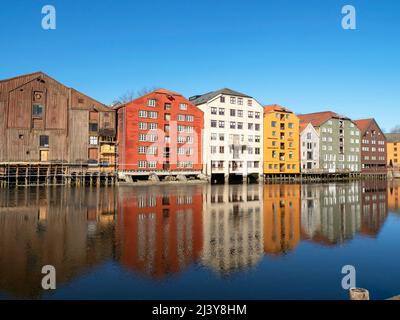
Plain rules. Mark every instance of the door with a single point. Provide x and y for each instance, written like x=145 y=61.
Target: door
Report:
x=44 y=155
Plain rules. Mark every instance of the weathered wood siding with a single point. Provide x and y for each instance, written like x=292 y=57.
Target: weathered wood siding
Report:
x=65 y=120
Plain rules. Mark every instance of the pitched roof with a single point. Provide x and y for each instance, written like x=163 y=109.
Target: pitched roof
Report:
x=276 y=107
x=393 y=137
x=319 y=118
x=31 y=76
x=303 y=126
x=363 y=124
x=201 y=99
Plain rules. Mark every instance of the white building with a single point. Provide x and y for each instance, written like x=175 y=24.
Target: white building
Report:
x=233 y=133
x=309 y=148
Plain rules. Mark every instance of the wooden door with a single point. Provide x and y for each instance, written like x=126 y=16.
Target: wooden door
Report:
x=44 y=155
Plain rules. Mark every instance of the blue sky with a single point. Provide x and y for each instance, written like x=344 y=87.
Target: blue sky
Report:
x=290 y=52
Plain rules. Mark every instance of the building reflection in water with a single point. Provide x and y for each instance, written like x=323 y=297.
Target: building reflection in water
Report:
x=71 y=229
x=232 y=227
x=334 y=213
x=160 y=228
x=393 y=195
x=281 y=218
x=374 y=206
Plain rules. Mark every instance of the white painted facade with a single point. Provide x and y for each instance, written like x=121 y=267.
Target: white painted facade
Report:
x=232 y=136
x=309 y=149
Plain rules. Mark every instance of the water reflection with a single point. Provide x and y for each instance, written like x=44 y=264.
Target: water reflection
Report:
x=158 y=231
x=160 y=228
x=233 y=227
x=71 y=229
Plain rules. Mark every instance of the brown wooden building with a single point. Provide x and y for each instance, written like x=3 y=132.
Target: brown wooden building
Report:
x=373 y=147
x=44 y=122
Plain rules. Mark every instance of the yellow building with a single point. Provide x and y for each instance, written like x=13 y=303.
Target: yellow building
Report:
x=281 y=218
x=281 y=141
x=393 y=148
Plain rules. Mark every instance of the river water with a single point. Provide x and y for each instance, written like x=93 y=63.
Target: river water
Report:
x=201 y=241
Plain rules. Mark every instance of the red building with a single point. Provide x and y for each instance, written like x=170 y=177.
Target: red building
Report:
x=373 y=147
x=160 y=131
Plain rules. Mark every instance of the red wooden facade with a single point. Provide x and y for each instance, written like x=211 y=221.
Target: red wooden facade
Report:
x=161 y=131
x=373 y=147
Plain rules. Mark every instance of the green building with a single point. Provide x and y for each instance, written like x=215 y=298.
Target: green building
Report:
x=339 y=144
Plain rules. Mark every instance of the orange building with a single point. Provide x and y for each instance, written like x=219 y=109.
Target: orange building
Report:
x=160 y=229
x=394 y=196
x=281 y=141
x=160 y=131
x=281 y=218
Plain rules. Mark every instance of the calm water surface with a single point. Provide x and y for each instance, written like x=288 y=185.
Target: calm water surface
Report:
x=201 y=241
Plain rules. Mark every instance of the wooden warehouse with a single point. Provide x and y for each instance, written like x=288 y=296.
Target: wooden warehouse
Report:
x=50 y=133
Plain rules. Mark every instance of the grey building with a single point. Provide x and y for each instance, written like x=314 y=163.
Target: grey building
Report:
x=339 y=142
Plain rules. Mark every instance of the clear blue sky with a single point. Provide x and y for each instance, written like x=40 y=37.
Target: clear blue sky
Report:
x=290 y=52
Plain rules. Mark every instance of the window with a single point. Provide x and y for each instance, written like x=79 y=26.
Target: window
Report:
x=221 y=111
x=167 y=106
x=142 y=137
x=257 y=150
x=167 y=116
x=221 y=149
x=183 y=106
x=233 y=125
x=93 y=127
x=142 y=114
x=250 y=114
x=142 y=126
x=258 y=114
x=240 y=101
x=166 y=127
x=142 y=164
x=233 y=112
x=93 y=140
x=222 y=99
x=189 y=140
x=152 y=164
x=249 y=102
x=213 y=123
x=213 y=136
x=257 y=127
x=181 y=139
x=221 y=124
x=250 y=126
x=189 y=129
x=221 y=137
x=250 y=138
x=181 y=128
x=290 y=125
x=213 y=110
x=240 y=113
x=44 y=141
x=258 y=139
x=153 y=126
x=153 y=114
x=190 y=118
x=233 y=100
x=37 y=111
x=151 y=102
x=240 y=125
x=273 y=124
x=142 y=149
